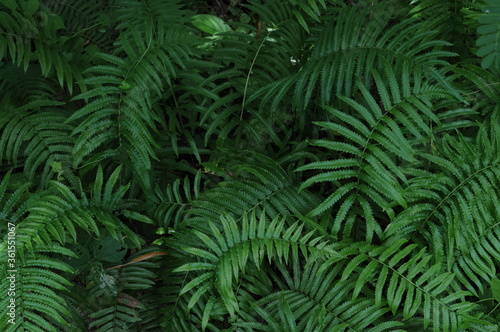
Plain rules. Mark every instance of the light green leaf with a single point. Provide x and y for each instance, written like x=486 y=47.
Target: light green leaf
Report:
x=11 y=4
x=210 y=24
x=495 y=288
x=30 y=6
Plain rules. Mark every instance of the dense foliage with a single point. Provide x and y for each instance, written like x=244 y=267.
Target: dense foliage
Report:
x=321 y=165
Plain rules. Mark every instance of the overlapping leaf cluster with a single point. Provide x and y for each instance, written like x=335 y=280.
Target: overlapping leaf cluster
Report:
x=322 y=165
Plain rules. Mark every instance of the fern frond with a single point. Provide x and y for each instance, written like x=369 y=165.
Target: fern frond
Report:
x=454 y=22
x=169 y=206
x=466 y=206
x=346 y=51
x=87 y=19
x=34 y=135
x=268 y=188
x=404 y=279
x=115 y=318
x=29 y=32
x=301 y=303
x=422 y=286
x=133 y=13
x=58 y=215
x=113 y=299
x=26 y=86
x=229 y=252
x=120 y=115
x=370 y=178
x=35 y=285
x=12 y=201
x=482 y=85
x=453 y=211
x=489 y=41
x=251 y=58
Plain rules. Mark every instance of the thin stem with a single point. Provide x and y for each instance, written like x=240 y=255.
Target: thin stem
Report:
x=238 y=139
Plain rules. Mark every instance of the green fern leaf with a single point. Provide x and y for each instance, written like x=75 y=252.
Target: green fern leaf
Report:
x=489 y=41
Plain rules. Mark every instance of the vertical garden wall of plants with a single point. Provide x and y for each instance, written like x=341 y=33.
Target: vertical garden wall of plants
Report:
x=285 y=165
